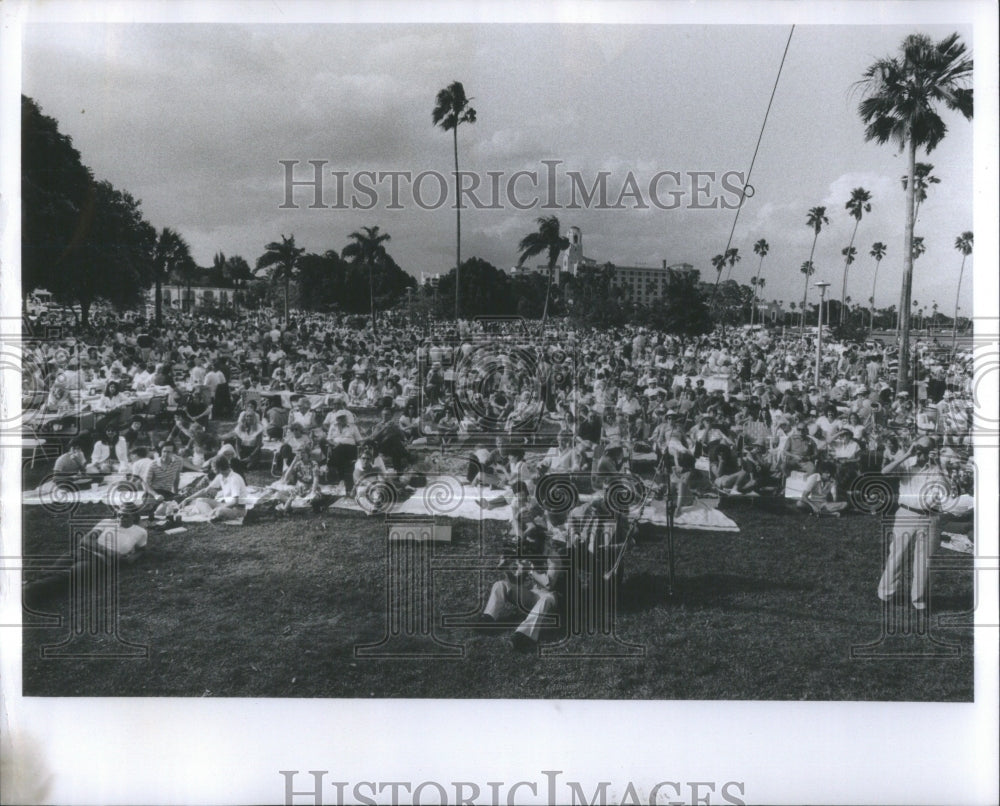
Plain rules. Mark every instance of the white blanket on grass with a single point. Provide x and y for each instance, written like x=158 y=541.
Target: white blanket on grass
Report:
x=52 y=493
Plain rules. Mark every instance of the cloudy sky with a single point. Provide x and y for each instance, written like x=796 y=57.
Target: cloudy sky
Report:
x=193 y=119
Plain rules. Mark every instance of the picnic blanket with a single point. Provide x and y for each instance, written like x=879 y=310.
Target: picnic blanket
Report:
x=444 y=496
x=59 y=495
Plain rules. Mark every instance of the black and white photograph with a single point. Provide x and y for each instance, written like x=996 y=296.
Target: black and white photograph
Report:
x=442 y=403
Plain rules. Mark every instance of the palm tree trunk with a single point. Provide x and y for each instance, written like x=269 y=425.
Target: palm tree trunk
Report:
x=458 y=220
x=545 y=308
x=805 y=291
x=159 y=302
x=903 y=372
x=287 y=281
x=755 y=287
x=874 y=280
x=371 y=295
x=954 y=324
x=847 y=258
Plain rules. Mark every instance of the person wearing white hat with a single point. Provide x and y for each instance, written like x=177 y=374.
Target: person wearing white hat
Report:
x=916 y=524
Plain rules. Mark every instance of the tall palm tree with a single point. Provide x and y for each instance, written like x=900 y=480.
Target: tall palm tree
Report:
x=170 y=254
x=808 y=270
x=815 y=220
x=963 y=243
x=451 y=109
x=368 y=249
x=857 y=206
x=761 y=248
x=900 y=98
x=877 y=252
x=732 y=258
x=547 y=239
x=283 y=259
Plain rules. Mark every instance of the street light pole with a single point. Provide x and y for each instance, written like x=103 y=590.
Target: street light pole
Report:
x=822 y=285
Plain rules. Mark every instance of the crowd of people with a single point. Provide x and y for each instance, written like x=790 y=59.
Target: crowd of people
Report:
x=320 y=402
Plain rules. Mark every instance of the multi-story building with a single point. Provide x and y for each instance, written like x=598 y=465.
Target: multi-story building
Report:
x=181 y=297
x=647 y=285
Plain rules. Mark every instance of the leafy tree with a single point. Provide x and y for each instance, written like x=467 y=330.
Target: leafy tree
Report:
x=900 y=99
x=282 y=258
x=963 y=243
x=815 y=220
x=857 y=206
x=595 y=298
x=549 y=240
x=322 y=282
x=485 y=290
x=685 y=307
x=451 y=109
x=58 y=199
x=113 y=257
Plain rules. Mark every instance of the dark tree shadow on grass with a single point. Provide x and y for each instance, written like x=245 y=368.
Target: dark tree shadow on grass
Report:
x=644 y=591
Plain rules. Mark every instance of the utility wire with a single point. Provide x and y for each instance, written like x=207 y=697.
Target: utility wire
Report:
x=746 y=184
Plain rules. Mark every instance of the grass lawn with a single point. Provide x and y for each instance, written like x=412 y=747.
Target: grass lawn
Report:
x=277 y=608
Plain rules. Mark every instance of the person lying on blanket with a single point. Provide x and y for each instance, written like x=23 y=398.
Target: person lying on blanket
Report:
x=819 y=496
x=223 y=494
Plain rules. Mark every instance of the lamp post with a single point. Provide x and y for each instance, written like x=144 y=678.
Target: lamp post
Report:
x=822 y=285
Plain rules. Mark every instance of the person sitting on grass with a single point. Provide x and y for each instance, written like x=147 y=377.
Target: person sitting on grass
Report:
x=224 y=493
x=104 y=453
x=302 y=480
x=247 y=437
x=388 y=439
x=532 y=583
x=799 y=451
x=110 y=541
x=72 y=465
x=726 y=470
x=294 y=436
x=819 y=496
x=486 y=465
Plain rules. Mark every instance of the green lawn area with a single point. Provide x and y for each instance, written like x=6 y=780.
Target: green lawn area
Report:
x=277 y=608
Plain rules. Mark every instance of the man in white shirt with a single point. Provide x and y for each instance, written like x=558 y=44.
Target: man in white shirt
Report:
x=110 y=541
x=225 y=493
x=213 y=380
x=197 y=373
x=922 y=487
x=142 y=380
